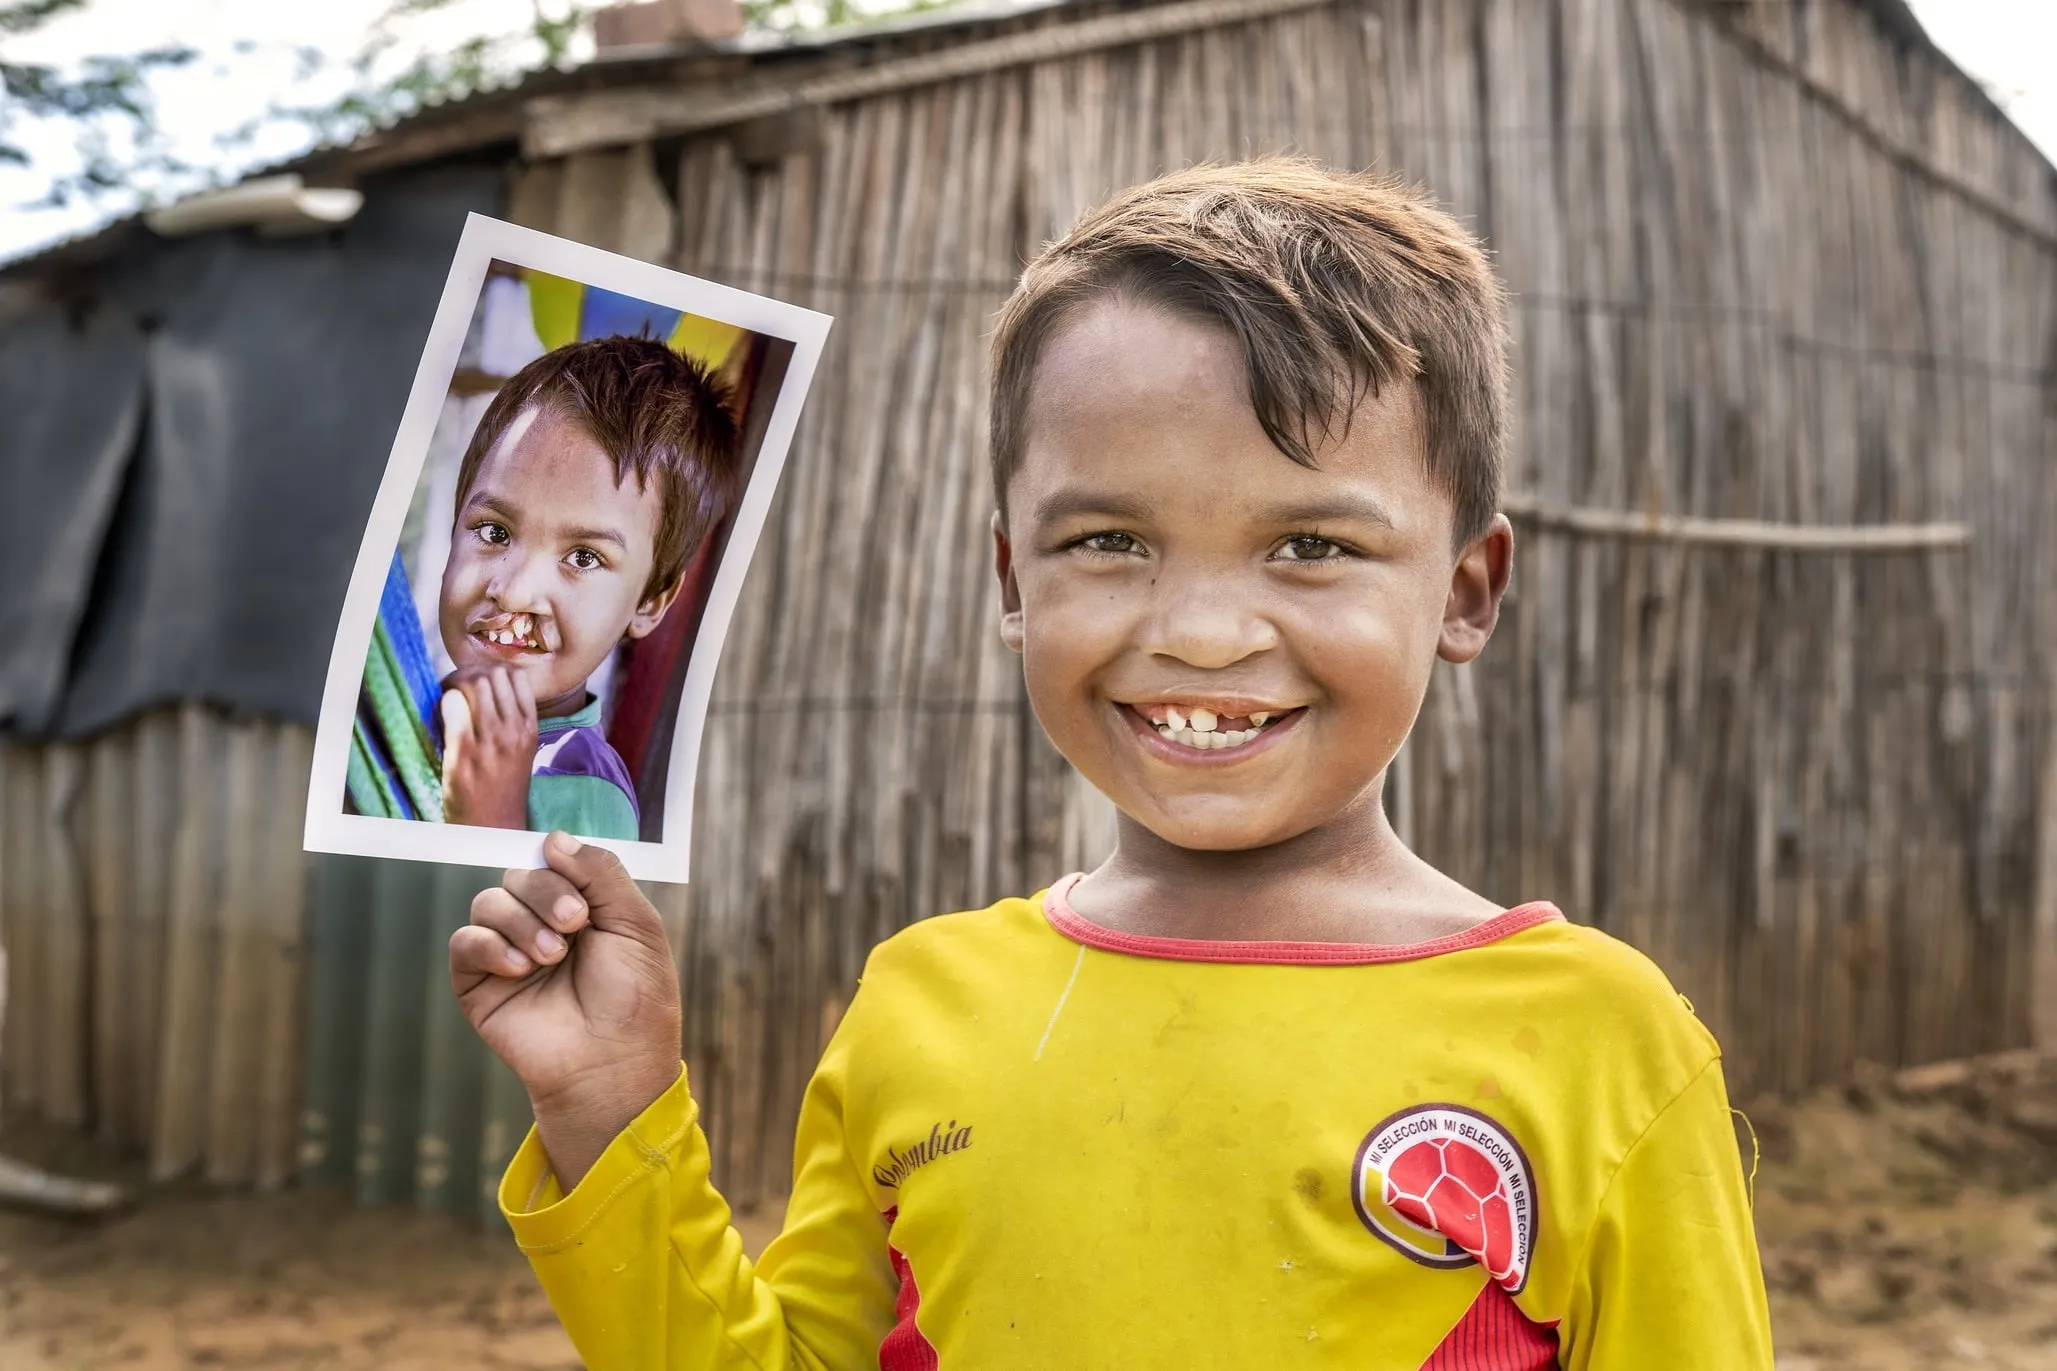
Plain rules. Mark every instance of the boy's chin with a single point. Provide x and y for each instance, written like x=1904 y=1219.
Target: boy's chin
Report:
x=1209 y=828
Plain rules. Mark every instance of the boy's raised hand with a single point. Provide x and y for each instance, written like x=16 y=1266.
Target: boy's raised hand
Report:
x=490 y=734
x=565 y=973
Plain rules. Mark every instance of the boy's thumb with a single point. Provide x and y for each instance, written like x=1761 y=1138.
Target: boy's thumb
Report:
x=456 y=712
x=597 y=873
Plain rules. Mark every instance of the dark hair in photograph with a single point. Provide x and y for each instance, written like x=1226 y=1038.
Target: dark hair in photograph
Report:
x=657 y=415
x=1336 y=284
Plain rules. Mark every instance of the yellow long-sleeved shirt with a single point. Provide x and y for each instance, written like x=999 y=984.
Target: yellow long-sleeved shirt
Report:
x=1035 y=1143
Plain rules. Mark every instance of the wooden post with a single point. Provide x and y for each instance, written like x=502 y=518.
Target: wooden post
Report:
x=64 y=975
x=178 y=1128
x=2042 y=994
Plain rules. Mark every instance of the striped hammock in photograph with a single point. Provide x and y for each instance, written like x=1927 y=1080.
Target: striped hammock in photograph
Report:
x=396 y=768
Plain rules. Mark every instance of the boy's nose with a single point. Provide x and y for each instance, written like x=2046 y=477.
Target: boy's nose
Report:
x=1203 y=622
x=517 y=584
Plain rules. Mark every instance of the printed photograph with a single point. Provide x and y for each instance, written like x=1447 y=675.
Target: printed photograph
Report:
x=554 y=574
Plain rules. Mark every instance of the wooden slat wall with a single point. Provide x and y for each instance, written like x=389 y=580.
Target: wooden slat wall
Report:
x=1807 y=783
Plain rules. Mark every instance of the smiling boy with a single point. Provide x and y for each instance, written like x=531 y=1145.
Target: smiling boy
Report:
x=1264 y=1089
x=591 y=478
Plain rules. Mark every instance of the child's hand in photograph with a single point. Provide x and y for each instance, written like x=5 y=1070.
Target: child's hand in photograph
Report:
x=566 y=974
x=490 y=733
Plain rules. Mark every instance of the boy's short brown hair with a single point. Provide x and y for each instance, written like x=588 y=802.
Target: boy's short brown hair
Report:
x=1336 y=284
x=655 y=413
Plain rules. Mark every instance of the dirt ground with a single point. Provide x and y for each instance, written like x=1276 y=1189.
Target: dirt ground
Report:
x=1911 y=1221
x=1907 y=1221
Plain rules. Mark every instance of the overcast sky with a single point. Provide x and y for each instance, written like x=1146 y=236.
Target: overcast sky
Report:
x=250 y=61
x=2011 y=46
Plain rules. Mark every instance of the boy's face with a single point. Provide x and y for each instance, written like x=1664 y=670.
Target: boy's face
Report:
x=1167 y=571
x=548 y=560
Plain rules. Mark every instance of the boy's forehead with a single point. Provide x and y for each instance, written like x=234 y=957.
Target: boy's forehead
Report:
x=512 y=436
x=548 y=470
x=541 y=440
x=1128 y=394
x=1107 y=357
x=544 y=446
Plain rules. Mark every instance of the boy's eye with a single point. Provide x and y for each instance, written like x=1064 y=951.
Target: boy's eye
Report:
x=1306 y=547
x=1113 y=544
x=585 y=559
x=496 y=534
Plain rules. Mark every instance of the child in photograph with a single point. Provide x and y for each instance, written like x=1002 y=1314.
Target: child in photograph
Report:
x=590 y=481
x=1265 y=1088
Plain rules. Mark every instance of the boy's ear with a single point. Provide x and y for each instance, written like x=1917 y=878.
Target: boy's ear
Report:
x=651 y=612
x=1010 y=591
x=1476 y=588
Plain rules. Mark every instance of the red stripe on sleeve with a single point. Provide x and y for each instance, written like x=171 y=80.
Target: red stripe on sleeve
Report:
x=905 y=1348
x=1494 y=1335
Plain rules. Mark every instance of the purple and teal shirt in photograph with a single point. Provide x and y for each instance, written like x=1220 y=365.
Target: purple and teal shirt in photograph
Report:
x=579 y=783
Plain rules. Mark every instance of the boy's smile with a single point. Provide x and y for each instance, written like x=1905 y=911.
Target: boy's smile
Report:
x=1229 y=645
x=1194 y=730
x=549 y=560
x=512 y=636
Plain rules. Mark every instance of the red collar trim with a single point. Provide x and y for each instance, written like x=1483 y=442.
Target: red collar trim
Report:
x=1075 y=926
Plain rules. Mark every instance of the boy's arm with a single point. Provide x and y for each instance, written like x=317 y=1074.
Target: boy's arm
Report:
x=1671 y=1276
x=565 y=974
x=646 y=1271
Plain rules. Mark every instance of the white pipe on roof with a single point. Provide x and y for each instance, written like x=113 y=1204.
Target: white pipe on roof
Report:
x=273 y=205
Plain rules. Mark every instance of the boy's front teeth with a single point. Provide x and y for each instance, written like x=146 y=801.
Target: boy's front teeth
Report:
x=1207 y=740
x=1199 y=727
x=520 y=632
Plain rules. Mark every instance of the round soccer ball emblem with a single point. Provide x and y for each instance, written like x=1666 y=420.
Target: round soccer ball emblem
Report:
x=1447 y=1186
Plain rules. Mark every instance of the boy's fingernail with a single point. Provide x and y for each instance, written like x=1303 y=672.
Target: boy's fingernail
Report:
x=566 y=844
x=566 y=909
x=520 y=963
x=548 y=943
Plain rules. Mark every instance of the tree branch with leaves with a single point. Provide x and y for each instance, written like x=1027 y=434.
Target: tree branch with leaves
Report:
x=106 y=101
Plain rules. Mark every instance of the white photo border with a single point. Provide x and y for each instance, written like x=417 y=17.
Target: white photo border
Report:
x=485 y=240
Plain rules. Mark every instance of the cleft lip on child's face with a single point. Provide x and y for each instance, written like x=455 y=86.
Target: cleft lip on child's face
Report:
x=511 y=637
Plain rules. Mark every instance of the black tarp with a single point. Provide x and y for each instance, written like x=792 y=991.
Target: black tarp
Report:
x=71 y=396
x=190 y=442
